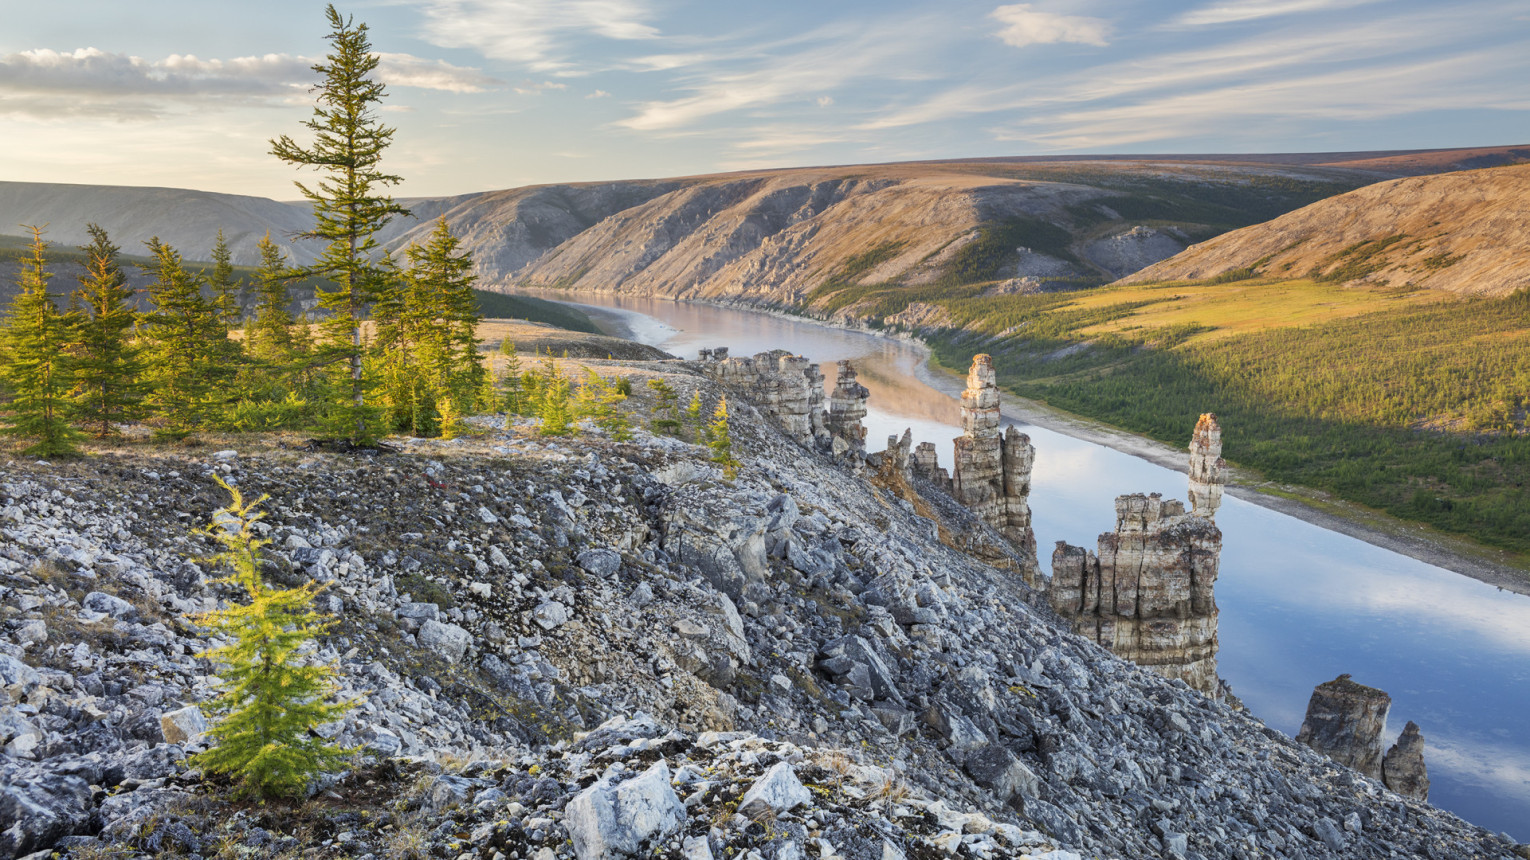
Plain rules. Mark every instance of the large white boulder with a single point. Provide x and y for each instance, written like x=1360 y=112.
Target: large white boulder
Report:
x=606 y=821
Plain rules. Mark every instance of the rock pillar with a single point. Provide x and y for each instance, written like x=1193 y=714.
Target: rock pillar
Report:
x=847 y=407
x=992 y=472
x=1345 y=721
x=1403 y=768
x=788 y=388
x=1207 y=468
x=1147 y=595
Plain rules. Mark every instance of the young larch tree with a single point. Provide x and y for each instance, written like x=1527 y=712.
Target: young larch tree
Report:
x=225 y=289
x=108 y=372
x=349 y=207
x=187 y=347
x=36 y=368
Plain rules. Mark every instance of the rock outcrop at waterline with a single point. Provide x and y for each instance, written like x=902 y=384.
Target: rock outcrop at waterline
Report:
x=847 y=408
x=1346 y=720
x=992 y=472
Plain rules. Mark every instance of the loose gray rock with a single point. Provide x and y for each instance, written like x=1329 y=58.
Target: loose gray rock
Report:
x=777 y=791
x=448 y=640
x=605 y=821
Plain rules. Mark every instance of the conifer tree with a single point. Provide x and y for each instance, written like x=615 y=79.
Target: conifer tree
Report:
x=188 y=352
x=35 y=366
x=666 y=408
x=225 y=290
x=512 y=392
x=554 y=411
x=272 y=698
x=108 y=373
x=440 y=289
x=349 y=207
x=720 y=440
x=696 y=418
x=269 y=335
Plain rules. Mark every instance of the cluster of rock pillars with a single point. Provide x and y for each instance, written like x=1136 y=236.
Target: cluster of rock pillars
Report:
x=1146 y=592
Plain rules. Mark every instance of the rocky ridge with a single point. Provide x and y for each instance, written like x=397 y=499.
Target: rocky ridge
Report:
x=821 y=673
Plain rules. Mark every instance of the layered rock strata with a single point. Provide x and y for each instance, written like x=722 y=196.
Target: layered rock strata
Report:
x=786 y=387
x=1147 y=595
x=992 y=472
x=1208 y=471
x=1344 y=722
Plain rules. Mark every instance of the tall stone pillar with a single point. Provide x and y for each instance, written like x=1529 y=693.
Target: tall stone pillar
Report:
x=992 y=472
x=847 y=408
x=1208 y=471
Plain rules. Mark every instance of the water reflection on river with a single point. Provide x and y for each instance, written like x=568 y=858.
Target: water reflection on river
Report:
x=1299 y=604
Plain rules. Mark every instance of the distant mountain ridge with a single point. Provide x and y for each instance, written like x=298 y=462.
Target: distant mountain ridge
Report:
x=788 y=236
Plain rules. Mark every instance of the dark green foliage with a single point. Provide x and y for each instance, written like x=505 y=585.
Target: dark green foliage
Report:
x=272 y=698
x=108 y=373
x=500 y=306
x=36 y=370
x=349 y=209
x=1356 y=261
x=225 y=288
x=1420 y=413
x=997 y=244
x=187 y=350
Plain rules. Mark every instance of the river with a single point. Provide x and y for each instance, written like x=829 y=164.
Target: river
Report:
x=1299 y=604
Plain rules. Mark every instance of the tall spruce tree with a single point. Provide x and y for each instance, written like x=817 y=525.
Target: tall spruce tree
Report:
x=225 y=289
x=187 y=346
x=36 y=369
x=108 y=382
x=272 y=699
x=349 y=206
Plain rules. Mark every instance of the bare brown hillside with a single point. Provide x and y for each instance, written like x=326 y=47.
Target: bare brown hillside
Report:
x=1465 y=232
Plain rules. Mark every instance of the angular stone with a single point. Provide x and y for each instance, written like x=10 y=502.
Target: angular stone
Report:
x=1403 y=767
x=601 y=562
x=853 y=663
x=100 y=601
x=777 y=791
x=1345 y=721
x=448 y=640
x=184 y=726
x=550 y=615
x=998 y=770
x=605 y=821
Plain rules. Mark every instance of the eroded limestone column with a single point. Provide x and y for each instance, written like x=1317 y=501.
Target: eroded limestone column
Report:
x=1208 y=471
x=992 y=472
x=847 y=408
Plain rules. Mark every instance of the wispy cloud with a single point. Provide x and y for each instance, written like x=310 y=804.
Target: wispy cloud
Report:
x=407 y=70
x=538 y=34
x=1253 y=10
x=1026 y=25
x=1362 y=69
x=92 y=82
x=804 y=68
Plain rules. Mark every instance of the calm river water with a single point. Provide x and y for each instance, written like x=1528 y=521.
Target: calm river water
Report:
x=1299 y=604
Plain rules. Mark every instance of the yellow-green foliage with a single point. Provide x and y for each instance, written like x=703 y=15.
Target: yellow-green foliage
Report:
x=720 y=440
x=272 y=698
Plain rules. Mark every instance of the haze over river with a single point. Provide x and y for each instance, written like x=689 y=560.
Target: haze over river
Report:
x=1299 y=604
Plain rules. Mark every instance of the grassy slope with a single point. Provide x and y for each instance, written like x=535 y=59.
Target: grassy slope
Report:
x=1407 y=401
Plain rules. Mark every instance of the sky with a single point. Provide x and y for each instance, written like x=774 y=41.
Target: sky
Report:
x=500 y=93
